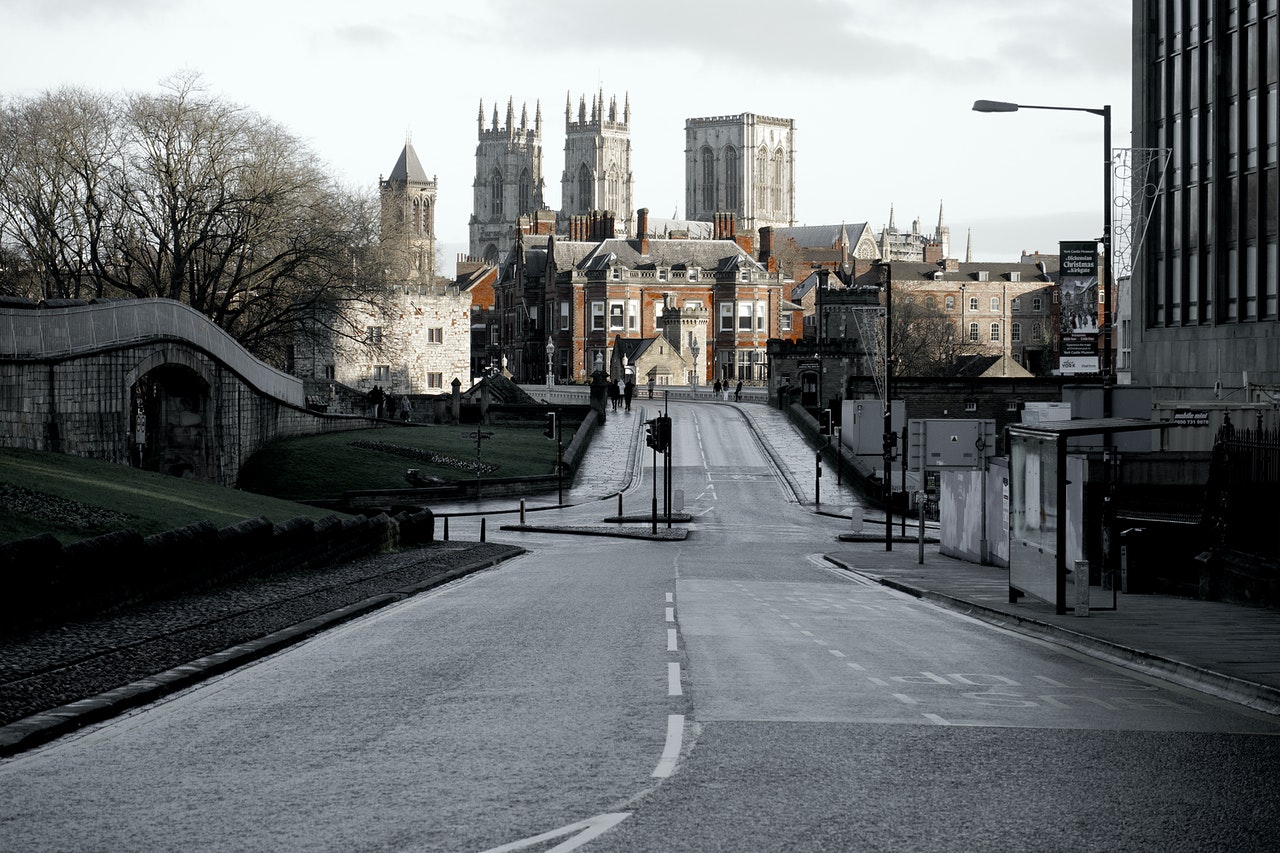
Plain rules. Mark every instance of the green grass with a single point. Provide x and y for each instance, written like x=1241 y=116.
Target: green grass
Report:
x=322 y=467
x=75 y=498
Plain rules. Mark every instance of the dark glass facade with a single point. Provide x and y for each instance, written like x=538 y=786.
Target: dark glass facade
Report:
x=1206 y=287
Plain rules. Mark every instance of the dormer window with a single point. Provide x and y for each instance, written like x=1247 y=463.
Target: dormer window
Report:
x=982 y=275
x=616 y=274
x=1015 y=275
x=693 y=274
x=662 y=274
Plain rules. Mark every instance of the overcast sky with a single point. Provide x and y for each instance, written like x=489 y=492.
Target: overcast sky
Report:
x=880 y=90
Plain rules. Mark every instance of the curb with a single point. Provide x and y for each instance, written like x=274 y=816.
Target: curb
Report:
x=1258 y=697
x=675 y=534
x=49 y=725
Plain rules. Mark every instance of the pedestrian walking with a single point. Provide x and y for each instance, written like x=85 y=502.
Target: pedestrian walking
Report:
x=737 y=392
x=651 y=384
x=613 y=396
x=717 y=387
x=726 y=390
x=628 y=391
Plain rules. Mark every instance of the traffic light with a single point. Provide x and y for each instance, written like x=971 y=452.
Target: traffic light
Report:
x=550 y=431
x=825 y=422
x=658 y=433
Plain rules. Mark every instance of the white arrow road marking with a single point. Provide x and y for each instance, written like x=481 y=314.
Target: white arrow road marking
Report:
x=585 y=830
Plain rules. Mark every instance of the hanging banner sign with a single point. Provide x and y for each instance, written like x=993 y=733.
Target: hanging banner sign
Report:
x=1078 y=318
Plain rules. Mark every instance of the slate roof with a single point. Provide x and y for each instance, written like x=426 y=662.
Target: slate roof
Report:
x=719 y=255
x=408 y=168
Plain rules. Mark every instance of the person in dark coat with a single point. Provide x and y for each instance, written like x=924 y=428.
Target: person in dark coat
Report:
x=628 y=391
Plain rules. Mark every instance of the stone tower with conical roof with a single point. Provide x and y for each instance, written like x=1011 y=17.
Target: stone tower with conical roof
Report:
x=409 y=219
x=597 y=160
x=508 y=182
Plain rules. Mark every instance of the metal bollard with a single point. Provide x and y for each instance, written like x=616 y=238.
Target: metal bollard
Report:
x=482 y=521
x=446 y=528
x=522 y=511
x=619 y=504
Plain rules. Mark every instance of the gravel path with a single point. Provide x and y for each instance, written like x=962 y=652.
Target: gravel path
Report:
x=45 y=669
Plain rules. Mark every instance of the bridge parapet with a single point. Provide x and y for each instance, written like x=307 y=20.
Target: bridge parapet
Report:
x=46 y=334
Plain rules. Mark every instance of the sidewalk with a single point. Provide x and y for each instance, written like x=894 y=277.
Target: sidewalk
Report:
x=1229 y=650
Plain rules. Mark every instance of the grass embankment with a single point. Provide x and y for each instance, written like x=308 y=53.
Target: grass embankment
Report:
x=74 y=498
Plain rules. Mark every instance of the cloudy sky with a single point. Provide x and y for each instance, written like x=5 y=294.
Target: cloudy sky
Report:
x=880 y=90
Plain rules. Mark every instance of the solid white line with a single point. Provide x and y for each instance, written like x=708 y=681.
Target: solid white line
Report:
x=671 y=639
x=671 y=751
x=673 y=679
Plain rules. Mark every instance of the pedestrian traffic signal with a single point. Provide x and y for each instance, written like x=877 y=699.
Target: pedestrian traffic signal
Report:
x=825 y=422
x=550 y=431
x=658 y=433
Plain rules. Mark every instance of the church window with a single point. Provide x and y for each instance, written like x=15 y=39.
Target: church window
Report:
x=495 y=193
x=761 y=182
x=584 y=188
x=778 y=180
x=708 y=180
x=526 y=192
x=732 y=178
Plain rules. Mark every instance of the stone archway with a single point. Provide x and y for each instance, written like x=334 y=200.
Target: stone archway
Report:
x=168 y=426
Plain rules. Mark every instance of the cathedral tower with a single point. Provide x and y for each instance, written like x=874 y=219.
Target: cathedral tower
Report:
x=597 y=160
x=508 y=181
x=741 y=164
x=409 y=218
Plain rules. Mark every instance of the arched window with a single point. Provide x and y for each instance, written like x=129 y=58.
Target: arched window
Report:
x=762 y=196
x=779 y=182
x=950 y=303
x=931 y=303
x=732 y=178
x=708 y=180
x=495 y=193
x=526 y=192
x=584 y=188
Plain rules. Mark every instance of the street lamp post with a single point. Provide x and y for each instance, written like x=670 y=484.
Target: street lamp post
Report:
x=1106 y=365
x=551 y=349
x=694 y=349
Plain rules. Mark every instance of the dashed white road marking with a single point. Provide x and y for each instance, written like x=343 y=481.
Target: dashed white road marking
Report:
x=671 y=614
x=837 y=653
x=671 y=751
x=905 y=699
x=942 y=721
x=673 y=679
x=671 y=640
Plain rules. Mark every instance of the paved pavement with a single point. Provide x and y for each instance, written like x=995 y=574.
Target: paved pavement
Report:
x=1230 y=650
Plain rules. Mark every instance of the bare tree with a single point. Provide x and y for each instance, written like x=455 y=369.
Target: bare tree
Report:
x=186 y=196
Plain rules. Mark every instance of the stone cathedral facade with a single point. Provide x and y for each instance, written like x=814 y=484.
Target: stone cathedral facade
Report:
x=508 y=181
x=744 y=165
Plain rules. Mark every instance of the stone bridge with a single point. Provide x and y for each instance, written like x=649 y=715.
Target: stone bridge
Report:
x=144 y=382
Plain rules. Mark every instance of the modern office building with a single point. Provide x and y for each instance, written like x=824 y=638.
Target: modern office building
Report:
x=1206 y=281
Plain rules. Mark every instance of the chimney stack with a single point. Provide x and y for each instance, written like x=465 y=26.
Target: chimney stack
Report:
x=642 y=229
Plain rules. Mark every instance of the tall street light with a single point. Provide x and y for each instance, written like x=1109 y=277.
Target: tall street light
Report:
x=1105 y=112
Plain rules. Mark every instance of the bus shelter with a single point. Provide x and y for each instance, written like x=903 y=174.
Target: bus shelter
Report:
x=1046 y=497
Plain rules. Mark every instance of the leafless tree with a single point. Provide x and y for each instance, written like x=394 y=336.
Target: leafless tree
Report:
x=187 y=196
